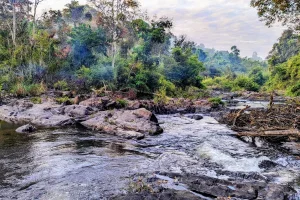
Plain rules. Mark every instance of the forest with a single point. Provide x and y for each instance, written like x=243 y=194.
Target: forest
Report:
x=117 y=46
x=101 y=100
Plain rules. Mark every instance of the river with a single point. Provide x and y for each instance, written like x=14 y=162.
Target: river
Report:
x=74 y=163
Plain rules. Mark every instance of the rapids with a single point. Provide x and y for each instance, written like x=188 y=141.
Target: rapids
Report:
x=75 y=163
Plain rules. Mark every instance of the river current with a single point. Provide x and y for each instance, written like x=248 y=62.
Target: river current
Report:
x=74 y=163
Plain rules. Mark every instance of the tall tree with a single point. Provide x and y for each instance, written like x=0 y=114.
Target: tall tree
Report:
x=10 y=12
x=285 y=11
x=235 y=51
x=288 y=45
x=74 y=12
x=113 y=15
x=36 y=3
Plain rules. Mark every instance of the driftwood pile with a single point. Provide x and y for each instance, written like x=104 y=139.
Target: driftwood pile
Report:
x=277 y=120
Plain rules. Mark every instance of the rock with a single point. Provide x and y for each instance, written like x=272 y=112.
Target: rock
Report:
x=21 y=105
x=49 y=120
x=78 y=111
x=44 y=115
x=110 y=105
x=143 y=113
x=26 y=129
x=196 y=117
x=267 y=164
x=130 y=134
x=222 y=188
x=133 y=105
x=276 y=192
x=125 y=123
x=164 y=195
x=92 y=102
x=292 y=147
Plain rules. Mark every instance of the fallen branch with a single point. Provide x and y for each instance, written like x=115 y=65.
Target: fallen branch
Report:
x=239 y=114
x=272 y=133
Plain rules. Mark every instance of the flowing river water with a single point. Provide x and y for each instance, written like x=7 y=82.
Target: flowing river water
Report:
x=75 y=163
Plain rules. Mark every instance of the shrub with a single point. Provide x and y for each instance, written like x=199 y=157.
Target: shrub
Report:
x=35 y=89
x=243 y=82
x=19 y=90
x=294 y=90
x=122 y=103
x=61 y=85
x=170 y=87
x=161 y=96
x=216 y=102
x=61 y=100
x=193 y=93
x=219 y=83
x=36 y=100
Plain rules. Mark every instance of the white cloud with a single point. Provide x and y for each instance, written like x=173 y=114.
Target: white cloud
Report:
x=218 y=23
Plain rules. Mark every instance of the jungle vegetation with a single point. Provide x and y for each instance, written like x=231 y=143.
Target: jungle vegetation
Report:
x=113 y=44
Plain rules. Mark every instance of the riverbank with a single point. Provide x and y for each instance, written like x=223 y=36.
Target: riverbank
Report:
x=190 y=160
x=195 y=157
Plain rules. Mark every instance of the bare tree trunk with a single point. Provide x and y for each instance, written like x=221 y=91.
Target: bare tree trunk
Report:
x=34 y=17
x=114 y=44
x=114 y=52
x=14 y=25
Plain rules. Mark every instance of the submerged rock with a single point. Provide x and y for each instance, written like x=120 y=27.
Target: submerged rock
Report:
x=26 y=129
x=267 y=164
x=125 y=123
x=196 y=117
x=165 y=195
x=292 y=147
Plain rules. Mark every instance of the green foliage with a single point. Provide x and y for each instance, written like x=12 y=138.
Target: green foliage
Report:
x=193 y=93
x=22 y=89
x=216 y=102
x=294 y=90
x=219 y=83
x=36 y=100
x=161 y=96
x=272 y=11
x=61 y=100
x=184 y=68
x=19 y=90
x=286 y=76
x=288 y=46
x=122 y=103
x=240 y=83
x=257 y=75
x=245 y=83
x=35 y=89
x=61 y=85
x=219 y=63
x=86 y=42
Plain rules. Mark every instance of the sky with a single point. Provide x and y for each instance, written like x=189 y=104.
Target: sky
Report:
x=217 y=24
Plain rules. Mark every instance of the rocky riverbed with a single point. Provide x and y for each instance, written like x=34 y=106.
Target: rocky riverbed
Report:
x=125 y=123
x=86 y=152
x=192 y=159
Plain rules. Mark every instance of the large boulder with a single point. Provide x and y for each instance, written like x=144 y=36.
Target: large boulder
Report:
x=95 y=102
x=26 y=129
x=43 y=115
x=125 y=123
x=78 y=112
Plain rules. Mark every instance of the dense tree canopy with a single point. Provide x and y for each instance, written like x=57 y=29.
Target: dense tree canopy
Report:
x=285 y=11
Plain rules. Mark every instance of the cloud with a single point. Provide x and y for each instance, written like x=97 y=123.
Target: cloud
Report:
x=218 y=24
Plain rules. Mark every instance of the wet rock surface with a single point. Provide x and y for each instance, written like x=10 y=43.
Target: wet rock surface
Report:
x=125 y=123
x=26 y=129
x=191 y=160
